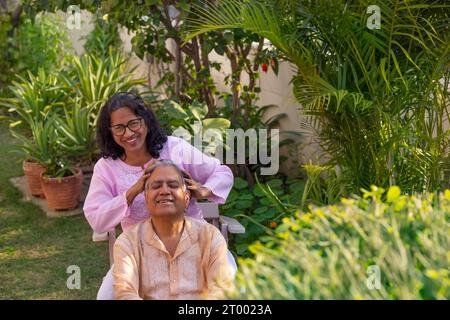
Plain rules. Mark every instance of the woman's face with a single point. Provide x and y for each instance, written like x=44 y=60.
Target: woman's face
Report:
x=128 y=130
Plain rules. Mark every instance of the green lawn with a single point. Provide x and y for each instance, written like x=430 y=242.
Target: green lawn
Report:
x=35 y=251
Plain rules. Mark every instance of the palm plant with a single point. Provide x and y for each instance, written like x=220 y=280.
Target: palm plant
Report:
x=34 y=98
x=78 y=131
x=95 y=79
x=376 y=99
x=45 y=147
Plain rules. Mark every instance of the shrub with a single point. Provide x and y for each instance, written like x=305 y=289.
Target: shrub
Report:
x=41 y=43
x=334 y=252
x=259 y=208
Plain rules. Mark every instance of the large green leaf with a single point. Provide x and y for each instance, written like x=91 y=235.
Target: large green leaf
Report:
x=174 y=110
x=216 y=123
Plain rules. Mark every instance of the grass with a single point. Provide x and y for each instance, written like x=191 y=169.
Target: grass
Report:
x=35 y=251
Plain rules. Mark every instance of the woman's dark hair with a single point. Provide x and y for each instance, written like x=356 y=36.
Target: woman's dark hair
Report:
x=156 y=136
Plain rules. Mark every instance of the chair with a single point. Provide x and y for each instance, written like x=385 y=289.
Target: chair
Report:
x=211 y=214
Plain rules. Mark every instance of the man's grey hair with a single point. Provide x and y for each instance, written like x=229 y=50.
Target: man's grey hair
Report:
x=165 y=163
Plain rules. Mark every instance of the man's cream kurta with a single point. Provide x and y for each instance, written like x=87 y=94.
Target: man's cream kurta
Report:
x=199 y=269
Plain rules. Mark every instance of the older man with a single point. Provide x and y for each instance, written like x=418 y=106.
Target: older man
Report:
x=170 y=255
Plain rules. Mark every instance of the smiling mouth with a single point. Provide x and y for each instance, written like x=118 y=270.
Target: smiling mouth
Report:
x=164 y=201
x=132 y=140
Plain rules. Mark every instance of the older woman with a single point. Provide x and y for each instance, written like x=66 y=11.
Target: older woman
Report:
x=130 y=139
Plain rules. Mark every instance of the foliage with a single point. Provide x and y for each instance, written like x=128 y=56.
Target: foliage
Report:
x=45 y=147
x=188 y=122
x=5 y=55
x=34 y=97
x=323 y=186
x=71 y=97
x=261 y=208
x=104 y=37
x=41 y=43
x=184 y=70
x=95 y=79
x=377 y=99
x=252 y=118
x=156 y=23
x=333 y=252
x=77 y=129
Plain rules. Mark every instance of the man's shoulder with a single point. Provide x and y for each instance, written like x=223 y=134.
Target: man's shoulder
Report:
x=198 y=223
x=202 y=227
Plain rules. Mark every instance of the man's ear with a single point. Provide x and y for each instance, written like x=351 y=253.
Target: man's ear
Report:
x=187 y=197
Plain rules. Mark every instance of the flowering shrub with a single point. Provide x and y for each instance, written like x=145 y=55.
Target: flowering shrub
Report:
x=382 y=246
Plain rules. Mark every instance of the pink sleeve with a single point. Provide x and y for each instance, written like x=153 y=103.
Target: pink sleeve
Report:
x=104 y=210
x=207 y=170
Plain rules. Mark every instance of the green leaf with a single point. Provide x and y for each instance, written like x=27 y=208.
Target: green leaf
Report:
x=257 y=191
x=266 y=201
x=244 y=204
x=260 y=210
x=274 y=183
x=246 y=196
x=240 y=183
x=174 y=110
x=216 y=123
x=198 y=110
x=241 y=249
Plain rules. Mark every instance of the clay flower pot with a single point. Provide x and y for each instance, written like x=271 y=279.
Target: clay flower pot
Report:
x=33 y=171
x=62 y=193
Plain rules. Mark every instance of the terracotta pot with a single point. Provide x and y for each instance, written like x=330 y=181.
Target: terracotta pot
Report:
x=33 y=171
x=62 y=193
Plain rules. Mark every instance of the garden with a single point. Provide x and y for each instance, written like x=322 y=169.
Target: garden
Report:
x=366 y=217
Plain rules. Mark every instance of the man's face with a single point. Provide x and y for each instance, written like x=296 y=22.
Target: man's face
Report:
x=165 y=194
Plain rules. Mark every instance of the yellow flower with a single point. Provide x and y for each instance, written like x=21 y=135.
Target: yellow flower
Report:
x=400 y=203
x=347 y=201
x=447 y=194
x=306 y=218
x=393 y=194
x=105 y=17
x=320 y=213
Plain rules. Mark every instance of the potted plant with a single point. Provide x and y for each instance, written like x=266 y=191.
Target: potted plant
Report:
x=33 y=98
x=60 y=181
x=77 y=128
x=31 y=166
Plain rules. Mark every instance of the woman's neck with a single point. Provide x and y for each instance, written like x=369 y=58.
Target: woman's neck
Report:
x=138 y=159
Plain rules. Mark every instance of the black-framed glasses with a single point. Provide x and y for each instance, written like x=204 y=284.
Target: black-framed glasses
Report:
x=133 y=125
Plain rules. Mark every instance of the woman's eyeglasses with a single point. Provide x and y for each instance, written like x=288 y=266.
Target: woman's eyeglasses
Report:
x=133 y=125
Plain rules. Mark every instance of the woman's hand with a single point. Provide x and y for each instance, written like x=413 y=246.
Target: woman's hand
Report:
x=197 y=190
x=138 y=187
